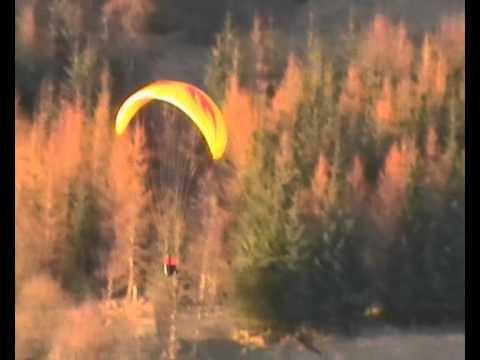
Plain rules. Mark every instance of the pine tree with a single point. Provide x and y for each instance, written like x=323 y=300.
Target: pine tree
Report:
x=314 y=62
x=82 y=74
x=425 y=281
x=267 y=229
x=358 y=182
x=224 y=61
x=32 y=254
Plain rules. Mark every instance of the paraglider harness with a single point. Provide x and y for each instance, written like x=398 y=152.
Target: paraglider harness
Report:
x=169 y=265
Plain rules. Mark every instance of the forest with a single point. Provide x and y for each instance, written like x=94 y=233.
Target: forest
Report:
x=342 y=186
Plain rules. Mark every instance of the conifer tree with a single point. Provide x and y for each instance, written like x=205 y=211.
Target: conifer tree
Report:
x=131 y=200
x=224 y=60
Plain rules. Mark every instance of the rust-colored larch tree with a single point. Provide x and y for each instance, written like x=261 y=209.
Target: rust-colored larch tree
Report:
x=70 y=137
x=386 y=47
x=101 y=134
x=63 y=171
x=48 y=164
x=357 y=181
x=352 y=94
x=127 y=15
x=402 y=52
x=100 y=156
x=27 y=29
x=373 y=51
x=319 y=185
x=131 y=198
x=406 y=100
x=384 y=106
x=289 y=92
x=431 y=145
x=393 y=183
x=432 y=72
x=241 y=119
x=451 y=39
x=30 y=253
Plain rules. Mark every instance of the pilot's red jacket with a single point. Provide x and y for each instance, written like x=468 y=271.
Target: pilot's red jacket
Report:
x=170 y=261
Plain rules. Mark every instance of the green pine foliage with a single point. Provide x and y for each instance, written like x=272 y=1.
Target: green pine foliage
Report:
x=224 y=59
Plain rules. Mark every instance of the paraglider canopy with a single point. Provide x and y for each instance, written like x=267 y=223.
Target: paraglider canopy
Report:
x=197 y=105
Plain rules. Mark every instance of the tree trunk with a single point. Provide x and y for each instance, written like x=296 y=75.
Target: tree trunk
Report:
x=172 y=344
x=172 y=348
x=201 y=297
x=134 y=293
x=109 y=287
x=132 y=285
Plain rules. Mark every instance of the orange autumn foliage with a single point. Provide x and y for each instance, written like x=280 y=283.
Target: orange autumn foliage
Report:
x=46 y=165
x=394 y=181
x=27 y=27
x=319 y=184
x=386 y=47
x=130 y=198
x=55 y=196
x=451 y=39
x=426 y=64
x=64 y=157
x=98 y=331
x=22 y=131
x=402 y=55
x=352 y=93
x=102 y=129
x=127 y=179
x=29 y=156
x=241 y=120
x=431 y=145
x=384 y=105
x=31 y=250
x=440 y=77
x=290 y=90
x=40 y=309
x=433 y=72
x=357 y=181
x=89 y=330
x=406 y=99
x=68 y=137
x=395 y=104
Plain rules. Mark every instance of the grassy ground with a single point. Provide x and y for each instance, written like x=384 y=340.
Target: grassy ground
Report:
x=402 y=345
x=214 y=340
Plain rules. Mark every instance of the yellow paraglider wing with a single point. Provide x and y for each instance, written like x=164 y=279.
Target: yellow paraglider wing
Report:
x=191 y=100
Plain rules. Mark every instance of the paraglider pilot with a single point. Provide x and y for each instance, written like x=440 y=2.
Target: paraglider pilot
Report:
x=169 y=265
